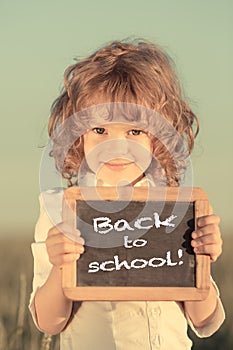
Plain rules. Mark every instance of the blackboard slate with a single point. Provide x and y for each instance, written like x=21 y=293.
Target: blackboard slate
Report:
x=188 y=279
x=159 y=241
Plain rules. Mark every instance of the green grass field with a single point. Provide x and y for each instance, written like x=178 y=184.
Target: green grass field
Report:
x=17 y=331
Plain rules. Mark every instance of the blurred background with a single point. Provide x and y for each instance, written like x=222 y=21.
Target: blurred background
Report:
x=38 y=41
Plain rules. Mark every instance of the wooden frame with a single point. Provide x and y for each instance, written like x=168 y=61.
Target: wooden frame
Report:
x=172 y=194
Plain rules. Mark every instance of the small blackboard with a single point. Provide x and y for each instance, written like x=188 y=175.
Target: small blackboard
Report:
x=137 y=244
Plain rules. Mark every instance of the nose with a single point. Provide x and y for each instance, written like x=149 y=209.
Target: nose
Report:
x=117 y=147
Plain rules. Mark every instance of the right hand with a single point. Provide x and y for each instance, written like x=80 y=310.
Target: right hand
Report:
x=61 y=249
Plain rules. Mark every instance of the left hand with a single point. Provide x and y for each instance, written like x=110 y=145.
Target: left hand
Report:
x=206 y=239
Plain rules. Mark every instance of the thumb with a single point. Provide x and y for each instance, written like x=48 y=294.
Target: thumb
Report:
x=69 y=218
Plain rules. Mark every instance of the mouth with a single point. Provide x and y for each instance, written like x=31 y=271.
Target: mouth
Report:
x=118 y=165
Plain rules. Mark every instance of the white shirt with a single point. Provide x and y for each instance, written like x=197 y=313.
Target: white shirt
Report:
x=114 y=325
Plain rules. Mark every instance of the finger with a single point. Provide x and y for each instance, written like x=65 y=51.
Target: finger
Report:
x=206 y=230
x=69 y=218
x=58 y=245
x=53 y=231
x=64 y=248
x=54 y=240
x=207 y=220
x=206 y=239
x=59 y=237
x=60 y=260
x=69 y=258
x=67 y=231
x=212 y=250
x=201 y=239
x=59 y=228
x=59 y=253
x=68 y=210
x=71 y=232
x=210 y=210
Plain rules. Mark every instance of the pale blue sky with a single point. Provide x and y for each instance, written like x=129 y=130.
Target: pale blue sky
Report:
x=39 y=39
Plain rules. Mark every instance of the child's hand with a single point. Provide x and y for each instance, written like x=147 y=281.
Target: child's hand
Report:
x=61 y=249
x=207 y=237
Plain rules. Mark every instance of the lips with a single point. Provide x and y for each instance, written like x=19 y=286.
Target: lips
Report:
x=118 y=165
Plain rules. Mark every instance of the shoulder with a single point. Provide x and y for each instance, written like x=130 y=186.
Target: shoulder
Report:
x=50 y=212
x=50 y=197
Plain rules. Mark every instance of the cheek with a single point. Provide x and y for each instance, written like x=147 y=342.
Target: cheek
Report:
x=142 y=154
x=149 y=144
x=85 y=144
x=92 y=152
x=89 y=144
x=144 y=148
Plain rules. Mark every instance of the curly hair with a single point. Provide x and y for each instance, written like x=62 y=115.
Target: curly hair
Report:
x=137 y=72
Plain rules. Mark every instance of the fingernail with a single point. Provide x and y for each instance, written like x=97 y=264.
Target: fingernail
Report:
x=193 y=244
x=194 y=234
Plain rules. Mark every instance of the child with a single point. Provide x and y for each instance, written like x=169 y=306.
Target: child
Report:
x=105 y=148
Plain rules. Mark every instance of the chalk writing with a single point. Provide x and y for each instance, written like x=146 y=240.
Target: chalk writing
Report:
x=104 y=225
x=136 y=243
x=137 y=263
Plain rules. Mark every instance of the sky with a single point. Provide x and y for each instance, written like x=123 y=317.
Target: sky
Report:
x=40 y=39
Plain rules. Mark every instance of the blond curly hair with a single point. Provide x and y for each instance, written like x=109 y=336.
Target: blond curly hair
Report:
x=137 y=72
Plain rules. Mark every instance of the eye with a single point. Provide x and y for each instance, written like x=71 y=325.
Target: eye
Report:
x=135 y=132
x=99 y=131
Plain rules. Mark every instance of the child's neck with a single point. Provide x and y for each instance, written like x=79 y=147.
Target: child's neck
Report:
x=138 y=179
x=100 y=182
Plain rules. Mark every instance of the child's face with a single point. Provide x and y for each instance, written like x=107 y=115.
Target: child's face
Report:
x=117 y=152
